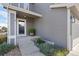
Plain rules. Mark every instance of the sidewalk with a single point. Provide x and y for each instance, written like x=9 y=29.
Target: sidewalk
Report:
x=75 y=51
x=28 y=48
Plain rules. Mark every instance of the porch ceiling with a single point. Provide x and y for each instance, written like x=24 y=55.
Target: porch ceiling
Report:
x=74 y=7
x=25 y=15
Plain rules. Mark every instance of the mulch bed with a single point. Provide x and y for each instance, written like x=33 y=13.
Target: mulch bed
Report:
x=14 y=52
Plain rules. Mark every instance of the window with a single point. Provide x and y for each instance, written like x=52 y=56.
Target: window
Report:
x=21 y=5
x=26 y=6
x=14 y=4
x=21 y=27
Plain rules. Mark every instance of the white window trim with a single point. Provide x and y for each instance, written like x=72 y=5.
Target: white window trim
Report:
x=18 y=27
x=26 y=5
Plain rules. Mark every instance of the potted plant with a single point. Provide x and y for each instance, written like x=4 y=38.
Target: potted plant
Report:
x=32 y=31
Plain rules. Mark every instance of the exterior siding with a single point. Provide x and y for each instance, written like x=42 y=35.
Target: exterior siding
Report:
x=53 y=25
x=75 y=30
x=75 y=34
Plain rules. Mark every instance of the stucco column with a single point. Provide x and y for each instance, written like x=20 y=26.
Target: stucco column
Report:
x=69 y=38
x=11 y=27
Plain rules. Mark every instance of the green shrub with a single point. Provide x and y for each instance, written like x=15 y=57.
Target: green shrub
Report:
x=51 y=50
x=39 y=41
x=65 y=51
x=45 y=48
x=32 y=30
x=4 y=48
x=60 y=52
x=3 y=38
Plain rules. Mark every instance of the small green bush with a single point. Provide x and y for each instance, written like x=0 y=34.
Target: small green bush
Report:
x=39 y=41
x=65 y=51
x=3 y=38
x=49 y=49
x=60 y=52
x=32 y=30
x=4 y=48
x=45 y=48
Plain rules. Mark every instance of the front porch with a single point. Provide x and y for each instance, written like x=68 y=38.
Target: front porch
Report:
x=19 y=21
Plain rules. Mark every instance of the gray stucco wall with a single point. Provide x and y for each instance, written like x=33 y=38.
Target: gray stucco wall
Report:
x=53 y=25
x=75 y=30
x=75 y=27
x=75 y=33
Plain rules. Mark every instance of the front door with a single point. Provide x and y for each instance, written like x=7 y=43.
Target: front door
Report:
x=21 y=27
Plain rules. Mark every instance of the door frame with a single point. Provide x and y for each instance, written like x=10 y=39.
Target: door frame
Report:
x=18 y=27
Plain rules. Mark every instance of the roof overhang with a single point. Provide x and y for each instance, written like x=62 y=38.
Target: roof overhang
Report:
x=60 y=5
x=23 y=11
x=73 y=7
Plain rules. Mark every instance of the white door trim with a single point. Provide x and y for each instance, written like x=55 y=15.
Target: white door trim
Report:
x=18 y=27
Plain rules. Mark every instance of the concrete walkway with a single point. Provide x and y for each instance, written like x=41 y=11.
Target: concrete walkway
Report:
x=75 y=51
x=28 y=48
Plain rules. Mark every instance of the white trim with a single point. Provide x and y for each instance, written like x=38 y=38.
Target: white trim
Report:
x=69 y=38
x=24 y=6
x=18 y=5
x=61 y=5
x=28 y=7
x=18 y=27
